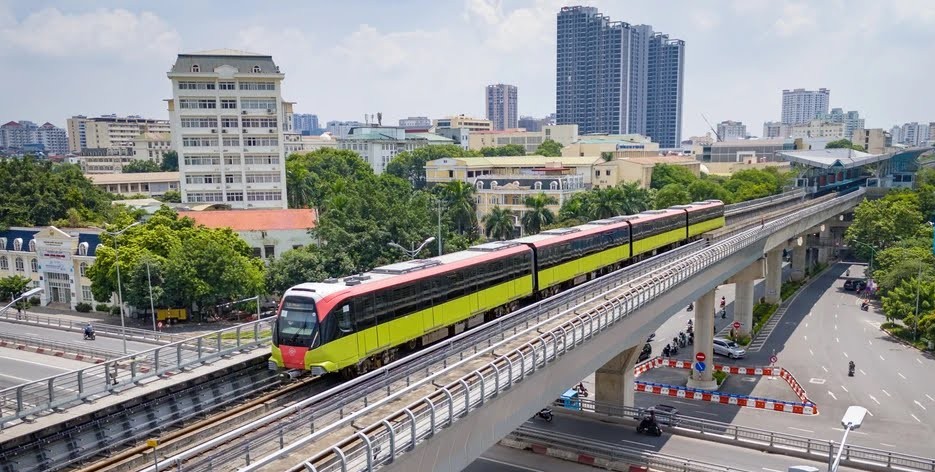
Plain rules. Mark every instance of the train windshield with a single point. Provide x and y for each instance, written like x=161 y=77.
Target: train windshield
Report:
x=298 y=322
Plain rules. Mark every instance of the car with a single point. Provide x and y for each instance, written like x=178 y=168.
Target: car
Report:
x=726 y=347
x=665 y=414
x=855 y=285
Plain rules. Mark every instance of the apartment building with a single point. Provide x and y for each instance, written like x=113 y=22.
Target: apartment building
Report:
x=461 y=121
x=228 y=123
x=379 y=145
x=530 y=140
x=110 y=131
x=801 y=106
x=151 y=184
x=502 y=106
x=820 y=129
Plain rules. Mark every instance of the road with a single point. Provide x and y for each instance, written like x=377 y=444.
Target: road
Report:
x=505 y=459
x=17 y=367
x=71 y=337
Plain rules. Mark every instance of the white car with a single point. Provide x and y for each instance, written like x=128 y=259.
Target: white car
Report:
x=726 y=347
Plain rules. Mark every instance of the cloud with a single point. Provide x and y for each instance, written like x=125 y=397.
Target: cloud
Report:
x=118 y=32
x=796 y=18
x=369 y=47
x=519 y=30
x=487 y=11
x=705 y=20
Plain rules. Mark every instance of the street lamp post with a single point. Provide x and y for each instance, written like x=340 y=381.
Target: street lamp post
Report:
x=123 y=325
x=152 y=305
x=852 y=420
x=872 y=252
x=413 y=252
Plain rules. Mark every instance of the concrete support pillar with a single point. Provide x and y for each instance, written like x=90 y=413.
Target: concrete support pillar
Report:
x=613 y=382
x=704 y=336
x=799 y=262
x=774 y=276
x=743 y=293
x=824 y=239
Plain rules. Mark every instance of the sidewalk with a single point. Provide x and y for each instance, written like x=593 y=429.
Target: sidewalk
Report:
x=192 y=328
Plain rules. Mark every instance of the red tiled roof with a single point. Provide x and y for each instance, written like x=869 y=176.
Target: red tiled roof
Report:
x=254 y=220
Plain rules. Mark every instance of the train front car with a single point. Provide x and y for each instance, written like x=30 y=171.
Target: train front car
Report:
x=297 y=328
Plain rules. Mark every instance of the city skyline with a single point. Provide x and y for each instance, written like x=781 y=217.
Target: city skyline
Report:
x=385 y=60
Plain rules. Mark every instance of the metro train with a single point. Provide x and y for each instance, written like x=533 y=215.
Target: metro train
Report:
x=361 y=322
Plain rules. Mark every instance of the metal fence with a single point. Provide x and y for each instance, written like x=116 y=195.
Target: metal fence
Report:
x=100 y=329
x=15 y=340
x=118 y=374
x=541 y=344
x=742 y=207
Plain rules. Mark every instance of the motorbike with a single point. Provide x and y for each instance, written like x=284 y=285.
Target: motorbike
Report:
x=850 y=369
x=683 y=340
x=546 y=414
x=691 y=338
x=650 y=338
x=649 y=426
x=674 y=350
x=691 y=307
x=582 y=391
x=865 y=306
x=667 y=351
x=89 y=335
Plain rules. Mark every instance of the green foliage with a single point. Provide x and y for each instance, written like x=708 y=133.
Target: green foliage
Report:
x=170 y=161
x=845 y=144
x=549 y=148
x=189 y=264
x=37 y=193
x=789 y=288
x=742 y=339
x=508 y=150
x=171 y=196
x=13 y=286
x=909 y=335
x=537 y=213
x=672 y=194
x=881 y=223
x=310 y=177
x=102 y=307
x=900 y=302
x=461 y=206
x=903 y=261
x=305 y=264
x=624 y=199
x=410 y=165
x=719 y=376
x=115 y=310
x=140 y=166
x=607 y=156
x=83 y=307
x=668 y=174
x=34 y=301
x=761 y=314
x=701 y=190
x=498 y=224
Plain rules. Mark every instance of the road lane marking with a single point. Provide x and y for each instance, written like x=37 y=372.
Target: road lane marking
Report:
x=870 y=342
x=33 y=362
x=705 y=413
x=805 y=337
x=846 y=356
x=825 y=368
x=637 y=443
x=510 y=464
x=862 y=371
x=16 y=378
x=800 y=429
x=920 y=405
x=914 y=417
x=806 y=325
x=869 y=413
x=887 y=393
x=835 y=326
x=901 y=375
x=917 y=360
x=852 y=431
x=881 y=357
x=837 y=340
x=810 y=352
x=767 y=469
x=887 y=445
x=832 y=396
x=930 y=398
x=683 y=403
x=875 y=399
x=845 y=389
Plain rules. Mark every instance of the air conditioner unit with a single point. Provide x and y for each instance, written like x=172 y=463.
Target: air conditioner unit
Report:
x=272 y=131
x=244 y=112
x=269 y=110
x=246 y=149
x=223 y=130
x=249 y=186
x=214 y=130
x=245 y=130
x=217 y=187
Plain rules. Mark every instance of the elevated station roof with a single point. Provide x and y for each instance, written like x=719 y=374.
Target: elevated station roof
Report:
x=844 y=158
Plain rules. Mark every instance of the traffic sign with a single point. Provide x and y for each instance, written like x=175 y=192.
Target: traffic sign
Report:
x=699 y=366
x=773 y=359
x=736 y=325
x=159 y=325
x=700 y=357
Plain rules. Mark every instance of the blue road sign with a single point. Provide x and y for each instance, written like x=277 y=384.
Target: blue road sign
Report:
x=699 y=366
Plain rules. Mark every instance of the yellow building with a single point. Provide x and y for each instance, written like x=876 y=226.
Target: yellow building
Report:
x=530 y=140
x=639 y=169
x=596 y=145
x=469 y=168
x=466 y=122
x=153 y=184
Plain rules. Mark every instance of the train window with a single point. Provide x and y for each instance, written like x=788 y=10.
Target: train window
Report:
x=344 y=319
x=455 y=285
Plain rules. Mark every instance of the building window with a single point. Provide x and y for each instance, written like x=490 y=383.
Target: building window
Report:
x=34 y=265
x=196 y=68
x=199 y=142
x=196 y=85
x=232 y=178
x=261 y=160
x=480 y=185
x=493 y=184
x=83 y=269
x=19 y=265
x=229 y=103
x=32 y=245
x=257 y=70
x=235 y=197
x=202 y=160
x=229 y=121
x=607 y=172
x=226 y=85
x=197 y=122
x=86 y=293
x=259 y=123
x=4 y=263
x=270 y=251
x=261 y=178
x=264 y=196
x=553 y=186
x=538 y=186
x=18 y=244
x=258 y=104
x=231 y=160
x=257 y=252
x=258 y=141
x=258 y=86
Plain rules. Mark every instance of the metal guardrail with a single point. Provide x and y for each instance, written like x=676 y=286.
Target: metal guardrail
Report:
x=100 y=329
x=748 y=205
x=615 y=452
x=810 y=448
x=402 y=430
x=338 y=403
x=117 y=374
x=52 y=345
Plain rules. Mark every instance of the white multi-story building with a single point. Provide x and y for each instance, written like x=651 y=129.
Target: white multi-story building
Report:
x=228 y=125
x=727 y=130
x=379 y=145
x=415 y=122
x=801 y=106
x=852 y=120
x=340 y=129
x=110 y=131
x=819 y=129
x=776 y=129
x=151 y=146
x=911 y=134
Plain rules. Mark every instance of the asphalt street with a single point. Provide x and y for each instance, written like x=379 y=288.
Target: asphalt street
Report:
x=71 y=337
x=17 y=367
x=506 y=459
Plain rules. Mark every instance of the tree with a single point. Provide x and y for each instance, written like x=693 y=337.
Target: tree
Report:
x=140 y=166
x=665 y=174
x=603 y=203
x=12 y=287
x=900 y=302
x=844 y=144
x=171 y=196
x=633 y=198
x=508 y=150
x=575 y=210
x=410 y=165
x=549 y=148
x=305 y=264
x=462 y=208
x=880 y=223
x=498 y=224
x=311 y=176
x=672 y=194
x=170 y=161
x=701 y=190
x=537 y=213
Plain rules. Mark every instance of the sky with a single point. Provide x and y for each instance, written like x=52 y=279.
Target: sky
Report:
x=434 y=57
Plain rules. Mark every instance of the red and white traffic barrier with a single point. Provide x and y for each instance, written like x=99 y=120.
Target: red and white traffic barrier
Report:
x=804 y=407
x=40 y=350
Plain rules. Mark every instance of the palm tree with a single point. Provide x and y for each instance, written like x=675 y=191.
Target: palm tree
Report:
x=633 y=198
x=537 y=214
x=604 y=203
x=498 y=224
x=462 y=208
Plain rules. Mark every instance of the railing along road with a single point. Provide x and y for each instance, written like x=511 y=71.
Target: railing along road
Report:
x=101 y=329
x=58 y=346
x=118 y=374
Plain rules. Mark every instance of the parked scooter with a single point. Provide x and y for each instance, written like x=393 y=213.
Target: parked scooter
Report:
x=546 y=414
x=850 y=369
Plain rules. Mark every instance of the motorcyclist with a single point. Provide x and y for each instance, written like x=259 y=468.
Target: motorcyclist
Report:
x=648 y=421
x=666 y=351
x=88 y=330
x=850 y=368
x=691 y=307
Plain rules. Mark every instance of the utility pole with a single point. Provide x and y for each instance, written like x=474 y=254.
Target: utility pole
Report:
x=438 y=206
